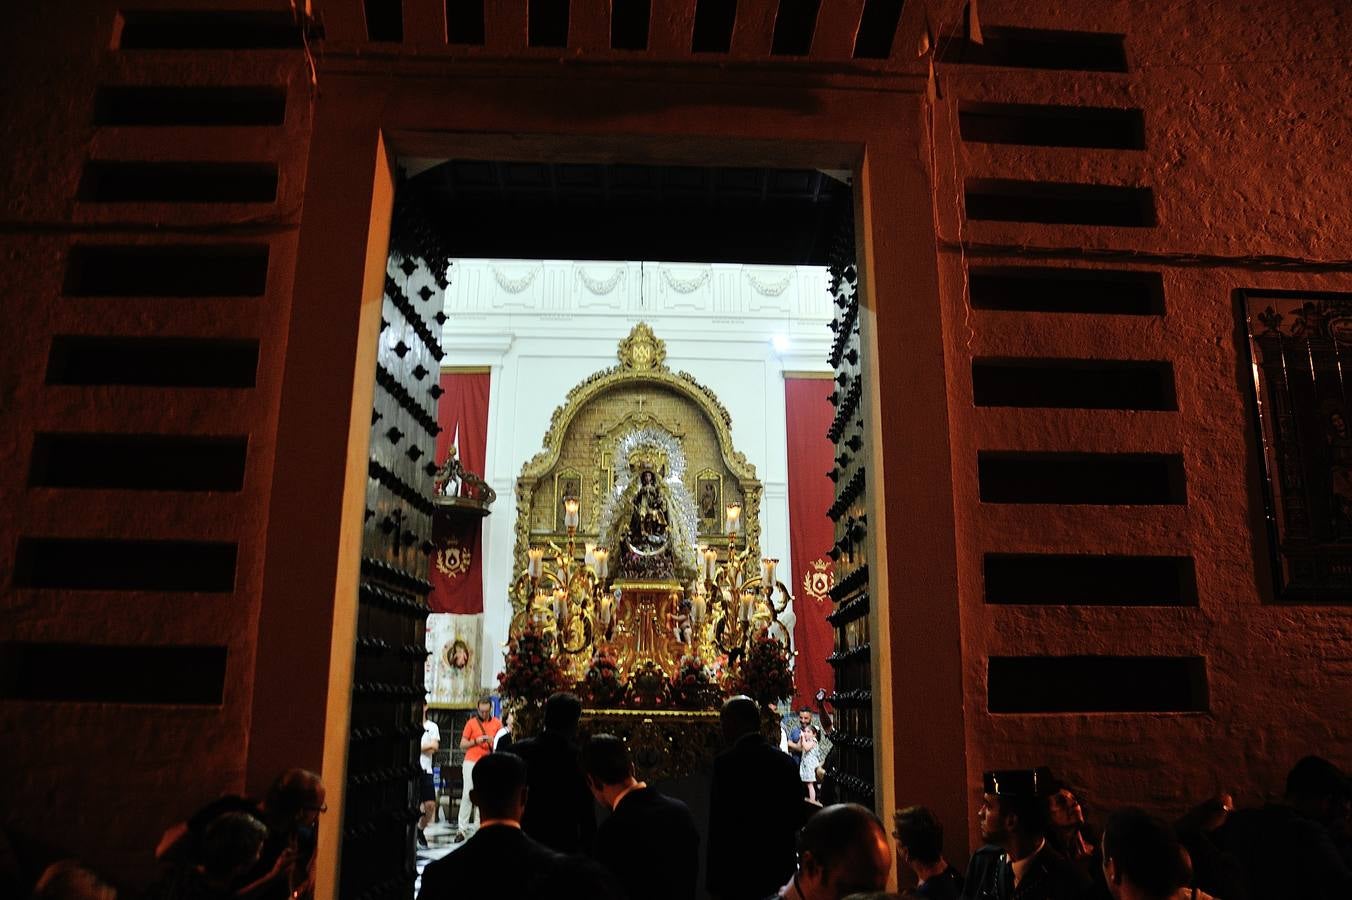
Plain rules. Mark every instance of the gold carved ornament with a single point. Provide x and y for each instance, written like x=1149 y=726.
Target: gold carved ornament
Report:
x=642 y=361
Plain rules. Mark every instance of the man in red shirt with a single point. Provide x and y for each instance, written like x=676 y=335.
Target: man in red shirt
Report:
x=477 y=742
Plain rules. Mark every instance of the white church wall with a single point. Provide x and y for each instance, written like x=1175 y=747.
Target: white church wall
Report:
x=542 y=327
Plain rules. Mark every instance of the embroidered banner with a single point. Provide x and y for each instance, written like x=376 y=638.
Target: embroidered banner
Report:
x=453 y=660
x=456 y=569
x=807 y=418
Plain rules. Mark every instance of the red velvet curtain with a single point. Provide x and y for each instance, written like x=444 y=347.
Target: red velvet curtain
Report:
x=456 y=572
x=808 y=417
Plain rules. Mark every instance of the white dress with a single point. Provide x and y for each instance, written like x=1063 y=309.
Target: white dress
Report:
x=807 y=766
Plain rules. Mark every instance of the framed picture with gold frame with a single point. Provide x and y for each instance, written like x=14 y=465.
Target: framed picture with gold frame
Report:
x=567 y=483
x=709 y=501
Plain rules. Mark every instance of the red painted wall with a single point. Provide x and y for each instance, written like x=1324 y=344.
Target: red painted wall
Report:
x=1247 y=138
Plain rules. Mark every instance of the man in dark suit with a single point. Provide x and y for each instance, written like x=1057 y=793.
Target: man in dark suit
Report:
x=756 y=806
x=499 y=849
x=650 y=842
x=1017 y=863
x=562 y=814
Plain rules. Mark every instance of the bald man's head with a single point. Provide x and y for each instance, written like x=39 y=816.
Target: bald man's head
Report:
x=843 y=849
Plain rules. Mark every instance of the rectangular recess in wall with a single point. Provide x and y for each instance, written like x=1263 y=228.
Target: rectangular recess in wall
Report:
x=629 y=21
x=1117 y=479
x=1042 y=289
x=795 y=23
x=1103 y=684
x=1073 y=383
x=877 y=29
x=115 y=181
x=1069 y=579
x=1038 y=48
x=153 y=361
x=92 y=564
x=102 y=673
x=1036 y=125
x=141 y=105
x=547 y=23
x=1058 y=203
x=209 y=30
x=167 y=270
x=465 y=22
x=384 y=20
x=139 y=462
x=712 y=31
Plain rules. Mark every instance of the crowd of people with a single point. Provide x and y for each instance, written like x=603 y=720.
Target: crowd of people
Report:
x=528 y=830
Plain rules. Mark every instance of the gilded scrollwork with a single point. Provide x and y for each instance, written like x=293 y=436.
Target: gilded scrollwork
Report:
x=642 y=365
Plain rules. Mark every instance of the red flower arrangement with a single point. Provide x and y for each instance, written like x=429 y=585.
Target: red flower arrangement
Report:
x=764 y=674
x=692 y=684
x=531 y=673
x=602 y=681
x=648 y=687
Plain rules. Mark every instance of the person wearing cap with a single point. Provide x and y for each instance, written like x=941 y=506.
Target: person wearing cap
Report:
x=1017 y=863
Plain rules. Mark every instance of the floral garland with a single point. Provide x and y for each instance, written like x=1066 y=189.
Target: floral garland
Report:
x=531 y=672
x=693 y=683
x=764 y=674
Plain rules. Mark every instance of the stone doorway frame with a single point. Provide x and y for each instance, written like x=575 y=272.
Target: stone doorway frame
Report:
x=372 y=111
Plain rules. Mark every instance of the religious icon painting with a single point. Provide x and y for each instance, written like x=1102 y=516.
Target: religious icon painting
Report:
x=709 y=502
x=1301 y=352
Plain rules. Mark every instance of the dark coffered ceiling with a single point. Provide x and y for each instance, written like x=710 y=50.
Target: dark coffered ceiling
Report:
x=570 y=211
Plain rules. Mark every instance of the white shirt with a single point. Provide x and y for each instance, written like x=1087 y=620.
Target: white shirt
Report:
x=430 y=730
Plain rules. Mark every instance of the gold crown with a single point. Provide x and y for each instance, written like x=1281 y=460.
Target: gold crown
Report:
x=647 y=457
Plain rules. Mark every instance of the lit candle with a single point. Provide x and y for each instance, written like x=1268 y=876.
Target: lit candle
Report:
x=589 y=554
x=747 y=606
x=601 y=556
x=560 y=606
x=734 y=516
x=697 y=609
x=604 y=607
x=768 y=572
x=710 y=563
x=570 y=512
x=535 y=562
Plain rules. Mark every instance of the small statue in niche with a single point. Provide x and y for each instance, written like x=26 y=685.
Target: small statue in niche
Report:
x=648 y=521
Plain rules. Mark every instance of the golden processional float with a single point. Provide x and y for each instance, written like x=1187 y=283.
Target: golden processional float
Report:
x=640 y=583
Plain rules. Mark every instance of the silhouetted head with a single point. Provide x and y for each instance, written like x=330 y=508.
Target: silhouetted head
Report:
x=1141 y=850
x=739 y=717
x=295 y=798
x=920 y=837
x=1317 y=788
x=606 y=760
x=562 y=712
x=842 y=850
x=231 y=845
x=499 y=786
